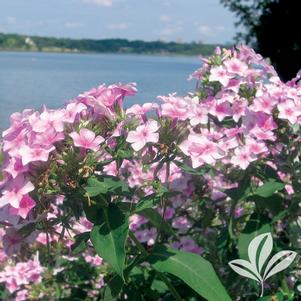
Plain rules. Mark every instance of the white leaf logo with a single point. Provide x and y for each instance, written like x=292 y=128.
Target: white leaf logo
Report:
x=259 y=250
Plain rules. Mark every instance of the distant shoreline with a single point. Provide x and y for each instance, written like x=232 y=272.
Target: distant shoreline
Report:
x=27 y=43
x=100 y=53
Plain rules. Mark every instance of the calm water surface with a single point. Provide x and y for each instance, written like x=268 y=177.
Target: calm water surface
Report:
x=28 y=80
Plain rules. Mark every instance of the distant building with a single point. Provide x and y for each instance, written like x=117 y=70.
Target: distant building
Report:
x=29 y=42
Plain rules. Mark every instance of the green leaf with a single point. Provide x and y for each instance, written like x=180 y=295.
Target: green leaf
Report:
x=94 y=213
x=257 y=224
x=151 y=200
x=116 y=283
x=193 y=269
x=273 y=203
x=109 y=238
x=269 y=188
x=156 y=219
x=193 y=171
x=113 y=288
x=80 y=242
x=159 y=286
x=147 y=202
x=106 y=185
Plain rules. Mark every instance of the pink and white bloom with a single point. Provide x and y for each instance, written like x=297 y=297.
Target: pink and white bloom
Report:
x=198 y=115
x=35 y=153
x=236 y=67
x=288 y=110
x=26 y=204
x=143 y=134
x=221 y=110
x=219 y=74
x=87 y=139
x=242 y=157
x=72 y=110
x=15 y=167
x=141 y=110
x=15 y=191
x=201 y=150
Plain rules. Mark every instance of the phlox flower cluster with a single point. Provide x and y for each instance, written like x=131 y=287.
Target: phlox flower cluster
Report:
x=241 y=115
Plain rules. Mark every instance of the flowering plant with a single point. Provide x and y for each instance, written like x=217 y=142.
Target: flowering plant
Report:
x=152 y=202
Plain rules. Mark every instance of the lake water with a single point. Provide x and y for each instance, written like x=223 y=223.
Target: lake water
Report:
x=28 y=80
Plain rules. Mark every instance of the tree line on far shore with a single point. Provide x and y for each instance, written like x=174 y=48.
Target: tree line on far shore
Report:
x=49 y=44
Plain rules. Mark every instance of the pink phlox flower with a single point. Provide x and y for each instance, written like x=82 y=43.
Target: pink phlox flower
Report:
x=12 y=241
x=15 y=190
x=13 y=144
x=141 y=110
x=198 y=115
x=220 y=74
x=227 y=144
x=15 y=167
x=36 y=153
x=256 y=147
x=239 y=109
x=94 y=260
x=47 y=119
x=147 y=236
x=72 y=110
x=143 y=134
x=181 y=223
x=47 y=138
x=25 y=205
x=136 y=221
x=187 y=244
x=201 y=150
x=235 y=66
x=260 y=134
x=234 y=84
x=174 y=112
x=87 y=139
x=129 y=89
x=242 y=157
x=289 y=110
x=7 y=218
x=221 y=110
x=264 y=104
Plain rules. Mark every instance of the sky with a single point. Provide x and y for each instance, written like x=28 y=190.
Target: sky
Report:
x=170 y=20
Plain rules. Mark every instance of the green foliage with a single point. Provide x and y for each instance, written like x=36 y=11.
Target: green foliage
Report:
x=194 y=270
x=108 y=185
x=110 y=236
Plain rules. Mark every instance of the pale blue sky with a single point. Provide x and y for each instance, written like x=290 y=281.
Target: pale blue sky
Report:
x=187 y=20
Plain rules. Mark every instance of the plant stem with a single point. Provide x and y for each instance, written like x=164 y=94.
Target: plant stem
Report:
x=170 y=286
x=137 y=243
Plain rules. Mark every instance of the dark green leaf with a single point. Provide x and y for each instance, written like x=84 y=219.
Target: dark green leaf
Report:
x=107 y=185
x=258 y=224
x=109 y=238
x=113 y=288
x=147 y=202
x=193 y=269
x=193 y=171
x=269 y=188
x=94 y=213
x=80 y=242
x=273 y=203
